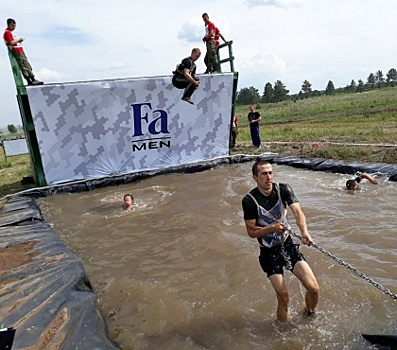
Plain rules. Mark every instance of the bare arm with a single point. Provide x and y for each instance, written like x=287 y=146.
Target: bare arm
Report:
x=222 y=37
x=257 y=231
x=256 y=120
x=301 y=222
x=209 y=35
x=369 y=178
x=14 y=42
x=187 y=75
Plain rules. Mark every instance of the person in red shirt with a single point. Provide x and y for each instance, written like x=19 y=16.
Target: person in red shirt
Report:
x=211 y=58
x=218 y=35
x=17 y=50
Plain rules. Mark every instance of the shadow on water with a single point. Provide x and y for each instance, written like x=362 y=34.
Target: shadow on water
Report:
x=180 y=272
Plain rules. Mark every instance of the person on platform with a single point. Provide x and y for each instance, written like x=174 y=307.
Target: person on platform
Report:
x=211 y=58
x=17 y=51
x=354 y=184
x=265 y=220
x=185 y=76
x=254 y=118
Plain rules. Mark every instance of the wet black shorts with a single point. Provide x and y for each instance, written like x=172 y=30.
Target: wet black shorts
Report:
x=273 y=260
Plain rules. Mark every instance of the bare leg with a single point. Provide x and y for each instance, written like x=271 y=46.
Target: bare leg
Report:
x=305 y=274
x=279 y=287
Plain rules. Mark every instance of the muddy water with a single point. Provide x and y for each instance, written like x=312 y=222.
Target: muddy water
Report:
x=180 y=272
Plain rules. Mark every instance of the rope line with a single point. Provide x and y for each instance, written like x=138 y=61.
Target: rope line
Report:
x=351 y=268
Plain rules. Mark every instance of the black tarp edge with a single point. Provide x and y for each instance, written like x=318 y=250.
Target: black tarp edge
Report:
x=315 y=164
x=48 y=298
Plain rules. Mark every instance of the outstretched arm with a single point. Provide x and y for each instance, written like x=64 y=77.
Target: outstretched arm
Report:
x=369 y=178
x=301 y=222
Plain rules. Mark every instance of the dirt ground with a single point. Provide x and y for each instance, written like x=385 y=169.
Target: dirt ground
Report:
x=313 y=150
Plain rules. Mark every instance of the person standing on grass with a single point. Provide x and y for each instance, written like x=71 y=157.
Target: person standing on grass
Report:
x=265 y=219
x=235 y=131
x=254 y=118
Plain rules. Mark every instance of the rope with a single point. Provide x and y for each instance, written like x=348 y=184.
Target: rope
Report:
x=351 y=268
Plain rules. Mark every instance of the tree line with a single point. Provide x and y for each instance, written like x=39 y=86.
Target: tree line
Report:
x=279 y=92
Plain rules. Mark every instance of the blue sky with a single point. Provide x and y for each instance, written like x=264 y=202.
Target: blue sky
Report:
x=287 y=40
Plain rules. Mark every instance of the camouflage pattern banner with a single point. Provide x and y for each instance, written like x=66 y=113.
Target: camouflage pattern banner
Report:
x=95 y=129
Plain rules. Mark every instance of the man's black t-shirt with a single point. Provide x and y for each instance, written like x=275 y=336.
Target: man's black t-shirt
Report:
x=187 y=63
x=253 y=116
x=268 y=202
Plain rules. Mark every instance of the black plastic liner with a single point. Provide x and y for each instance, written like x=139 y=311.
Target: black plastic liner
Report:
x=49 y=299
x=315 y=164
x=45 y=295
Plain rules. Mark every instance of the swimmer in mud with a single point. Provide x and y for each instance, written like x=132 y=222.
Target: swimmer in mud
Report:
x=354 y=184
x=128 y=202
x=265 y=220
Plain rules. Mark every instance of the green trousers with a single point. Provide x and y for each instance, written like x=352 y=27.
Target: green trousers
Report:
x=211 y=58
x=24 y=65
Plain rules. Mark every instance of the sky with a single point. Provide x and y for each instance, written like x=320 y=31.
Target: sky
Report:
x=287 y=40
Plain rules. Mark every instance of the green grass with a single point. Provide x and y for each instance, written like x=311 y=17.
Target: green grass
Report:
x=12 y=171
x=361 y=118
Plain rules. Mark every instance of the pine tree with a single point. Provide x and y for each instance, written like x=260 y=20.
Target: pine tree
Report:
x=330 y=89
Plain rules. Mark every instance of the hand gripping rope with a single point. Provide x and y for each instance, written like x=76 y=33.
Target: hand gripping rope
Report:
x=348 y=266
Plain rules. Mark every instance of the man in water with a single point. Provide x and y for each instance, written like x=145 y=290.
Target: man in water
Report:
x=128 y=202
x=265 y=220
x=185 y=76
x=354 y=184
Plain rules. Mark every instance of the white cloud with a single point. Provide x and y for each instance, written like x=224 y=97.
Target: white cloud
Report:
x=263 y=63
x=287 y=40
x=48 y=75
x=277 y=3
x=192 y=30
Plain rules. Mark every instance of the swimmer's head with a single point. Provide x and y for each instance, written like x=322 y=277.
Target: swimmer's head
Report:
x=128 y=201
x=352 y=185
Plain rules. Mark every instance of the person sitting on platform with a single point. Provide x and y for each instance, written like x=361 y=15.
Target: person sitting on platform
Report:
x=128 y=201
x=17 y=51
x=185 y=75
x=354 y=184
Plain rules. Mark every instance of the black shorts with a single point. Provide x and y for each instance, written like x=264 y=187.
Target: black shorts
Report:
x=273 y=261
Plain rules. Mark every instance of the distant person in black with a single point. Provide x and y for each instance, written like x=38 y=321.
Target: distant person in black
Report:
x=185 y=76
x=254 y=118
x=354 y=184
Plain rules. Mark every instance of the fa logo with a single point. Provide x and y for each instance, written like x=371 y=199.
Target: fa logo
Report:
x=158 y=123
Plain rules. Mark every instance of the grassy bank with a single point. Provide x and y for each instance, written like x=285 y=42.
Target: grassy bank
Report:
x=354 y=118
x=12 y=171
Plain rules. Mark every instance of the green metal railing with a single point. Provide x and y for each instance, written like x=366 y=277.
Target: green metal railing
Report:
x=229 y=59
x=27 y=123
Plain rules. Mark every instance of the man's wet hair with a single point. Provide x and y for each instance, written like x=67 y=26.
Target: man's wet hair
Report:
x=205 y=14
x=129 y=195
x=351 y=184
x=196 y=49
x=258 y=161
x=11 y=21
